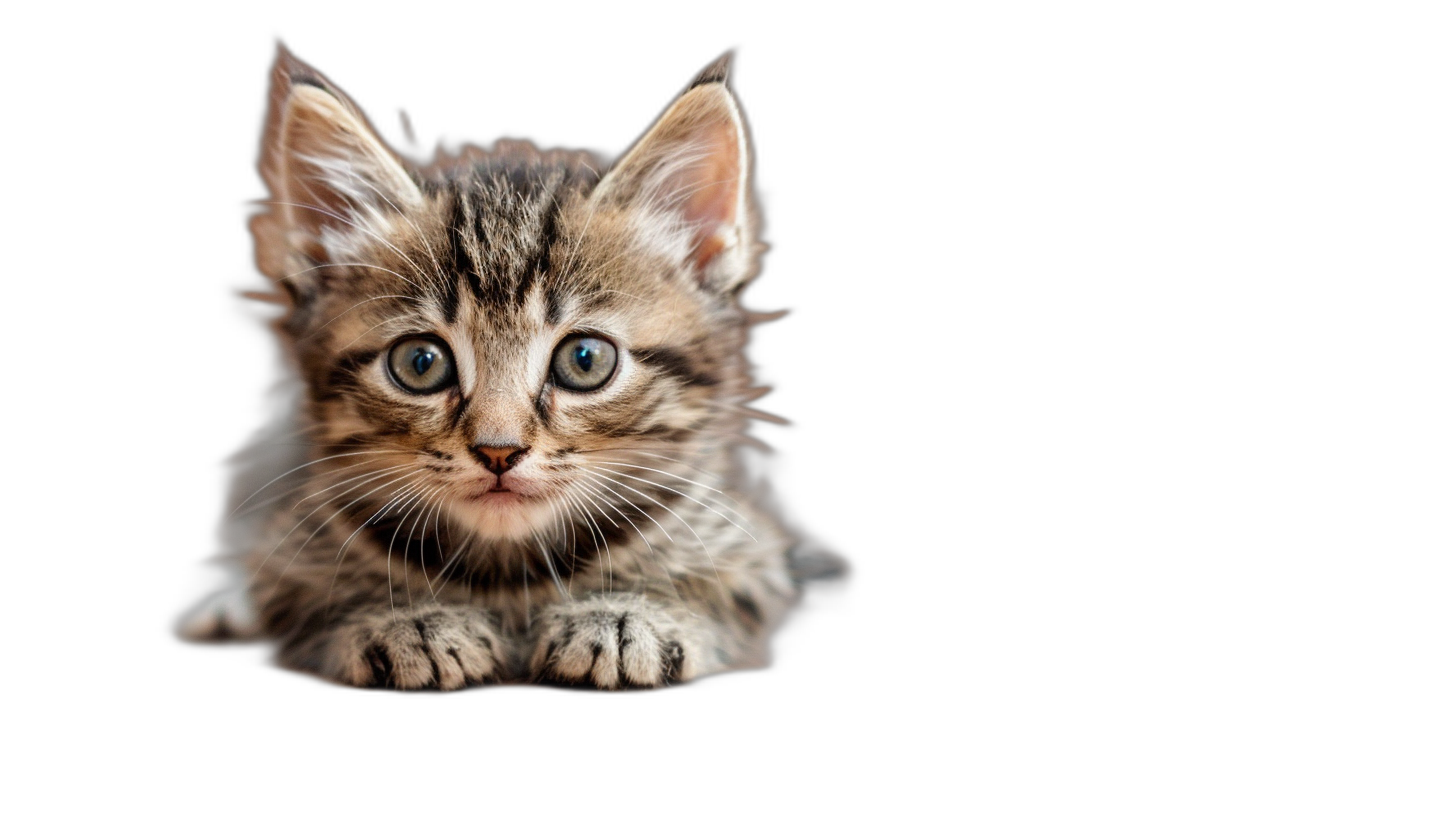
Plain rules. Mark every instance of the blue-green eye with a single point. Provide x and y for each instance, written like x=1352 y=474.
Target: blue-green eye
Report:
x=422 y=365
x=583 y=362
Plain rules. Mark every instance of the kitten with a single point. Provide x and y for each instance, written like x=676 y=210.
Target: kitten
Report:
x=523 y=383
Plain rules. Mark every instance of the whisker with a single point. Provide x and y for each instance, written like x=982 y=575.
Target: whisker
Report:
x=551 y=567
x=557 y=515
x=680 y=493
x=339 y=561
x=600 y=549
x=359 y=264
x=306 y=484
x=726 y=497
x=378 y=474
x=384 y=322
x=295 y=470
x=389 y=551
x=672 y=582
x=424 y=511
x=663 y=472
x=326 y=323
x=434 y=262
x=337 y=485
x=689 y=527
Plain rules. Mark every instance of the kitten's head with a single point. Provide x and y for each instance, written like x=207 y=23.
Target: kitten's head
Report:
x=486 y=333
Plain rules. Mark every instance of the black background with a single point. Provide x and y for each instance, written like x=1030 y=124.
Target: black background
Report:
x=845 y=134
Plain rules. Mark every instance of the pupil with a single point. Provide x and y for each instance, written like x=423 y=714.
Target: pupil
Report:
x=422 y=361
x=584 y=358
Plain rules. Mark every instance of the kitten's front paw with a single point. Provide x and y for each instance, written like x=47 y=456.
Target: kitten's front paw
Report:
x=611 y=641
x=438 y=647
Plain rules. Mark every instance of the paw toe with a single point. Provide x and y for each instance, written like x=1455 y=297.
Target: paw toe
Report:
x=609 y=649
x=436 y=649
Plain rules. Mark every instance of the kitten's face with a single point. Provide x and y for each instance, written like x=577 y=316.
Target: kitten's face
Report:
x=501 y=398
x=498 y=337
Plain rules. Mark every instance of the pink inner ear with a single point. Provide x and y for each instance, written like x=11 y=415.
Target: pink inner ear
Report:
x=710 y=189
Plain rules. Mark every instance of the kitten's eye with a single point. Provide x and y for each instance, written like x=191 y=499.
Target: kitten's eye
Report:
x=422 y=365
x=583 y=363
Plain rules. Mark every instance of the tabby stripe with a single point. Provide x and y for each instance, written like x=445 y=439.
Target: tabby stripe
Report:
x=459 y=259
x=356 y=360
x=459 y=255
x=455 y=655
x=278 y=612
x=596 y=655
x=475 y=276
x=345 y=373
x=423 y=549
x=523 y=286
x=380 y=665
x=461 y=403
x=425 y=649
x=450 y=293
x=665 y=433
x=623 y=641
x=673 y=364
x=717 y=72
x=300 y=78
x=478 y=207
x=484 y=283
x=673 y=662
x=748 y=607
x=544 y=242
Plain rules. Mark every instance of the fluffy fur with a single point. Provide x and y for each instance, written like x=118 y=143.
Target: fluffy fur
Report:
x=509 y=527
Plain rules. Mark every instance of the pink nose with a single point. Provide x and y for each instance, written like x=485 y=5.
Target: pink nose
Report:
x=500 y=460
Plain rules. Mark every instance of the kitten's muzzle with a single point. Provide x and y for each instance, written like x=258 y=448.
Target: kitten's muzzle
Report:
x=499 y=460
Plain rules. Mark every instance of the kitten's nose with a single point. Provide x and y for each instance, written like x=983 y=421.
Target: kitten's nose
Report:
x=499 y=460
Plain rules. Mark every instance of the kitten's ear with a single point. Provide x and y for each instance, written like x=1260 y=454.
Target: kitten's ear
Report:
x=692 y=167
x=328 y=172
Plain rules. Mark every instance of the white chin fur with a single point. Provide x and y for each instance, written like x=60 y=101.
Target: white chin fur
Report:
x=491 y=520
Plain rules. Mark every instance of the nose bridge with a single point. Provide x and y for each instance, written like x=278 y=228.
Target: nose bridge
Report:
x=499 y=417
x=501 y=411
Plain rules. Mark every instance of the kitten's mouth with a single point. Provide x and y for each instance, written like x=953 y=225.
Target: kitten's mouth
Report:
x=497 y=493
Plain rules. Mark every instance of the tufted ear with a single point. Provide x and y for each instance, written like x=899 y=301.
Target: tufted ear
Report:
x=329 y=175
x=691 y=172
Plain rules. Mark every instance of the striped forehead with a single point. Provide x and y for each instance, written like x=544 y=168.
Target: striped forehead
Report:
x=513 y=260
x=497 y=239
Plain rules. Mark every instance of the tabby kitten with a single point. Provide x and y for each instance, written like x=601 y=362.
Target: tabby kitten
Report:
x=523 y=382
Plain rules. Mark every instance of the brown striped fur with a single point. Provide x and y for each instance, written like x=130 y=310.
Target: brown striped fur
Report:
x=627 y=553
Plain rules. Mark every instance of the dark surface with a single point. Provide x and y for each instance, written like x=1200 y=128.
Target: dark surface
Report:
x=833 y=137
